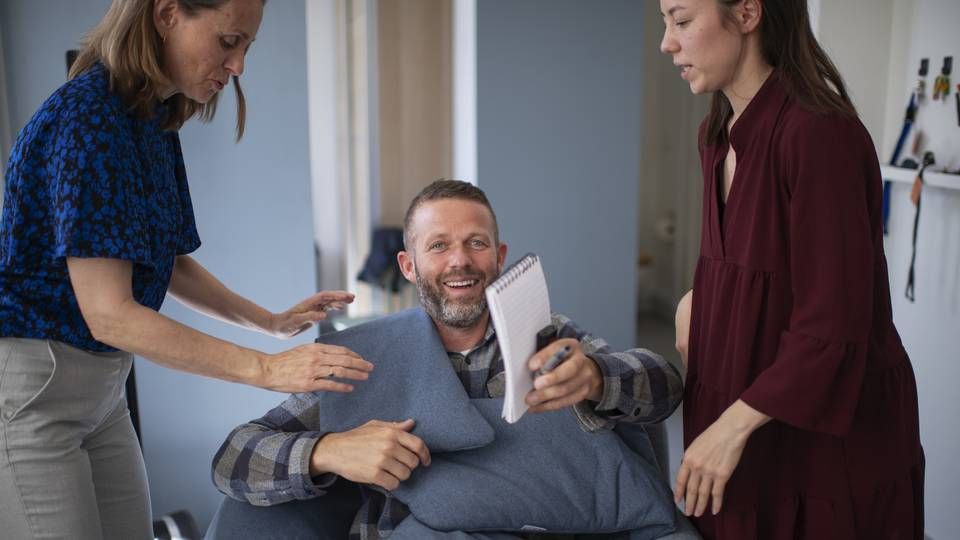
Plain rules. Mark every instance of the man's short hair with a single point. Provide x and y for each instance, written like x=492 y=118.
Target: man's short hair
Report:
x=447 y=189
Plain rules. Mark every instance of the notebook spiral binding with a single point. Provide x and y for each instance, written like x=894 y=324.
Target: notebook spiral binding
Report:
x=514 y=272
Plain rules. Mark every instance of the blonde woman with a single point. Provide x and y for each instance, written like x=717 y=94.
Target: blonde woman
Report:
x=96 y=230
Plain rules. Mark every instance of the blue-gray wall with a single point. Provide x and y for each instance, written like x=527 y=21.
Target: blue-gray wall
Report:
x=254 y=215
x=558 y=142
x=36 y=36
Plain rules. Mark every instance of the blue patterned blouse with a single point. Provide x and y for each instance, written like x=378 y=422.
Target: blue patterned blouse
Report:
x=88 y=179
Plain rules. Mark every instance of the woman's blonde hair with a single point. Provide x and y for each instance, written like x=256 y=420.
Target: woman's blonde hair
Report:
x=128 y=44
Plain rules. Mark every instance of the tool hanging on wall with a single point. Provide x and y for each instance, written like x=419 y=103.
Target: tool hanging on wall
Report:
x=957 y=96
x=919 y=143
x=921 y=89
x=916 y=97
x=941 y=85
x=908 y=118
x=928 y=159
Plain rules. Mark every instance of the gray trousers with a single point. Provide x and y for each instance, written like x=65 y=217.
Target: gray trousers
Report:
x=70 y=464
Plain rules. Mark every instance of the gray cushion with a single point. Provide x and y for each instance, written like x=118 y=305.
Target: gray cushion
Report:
x=542 y=473
x=412 y=378
x=322 y=518
x=411 y=529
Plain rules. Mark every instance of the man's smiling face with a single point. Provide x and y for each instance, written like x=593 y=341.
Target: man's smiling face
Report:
x=454 y=257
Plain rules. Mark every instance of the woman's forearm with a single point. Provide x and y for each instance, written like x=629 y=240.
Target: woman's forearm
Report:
x=134 y=328
x=113 y=316
x=743 y=419
x=193 y=286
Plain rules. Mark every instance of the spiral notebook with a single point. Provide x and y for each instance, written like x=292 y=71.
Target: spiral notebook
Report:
x=519 y=307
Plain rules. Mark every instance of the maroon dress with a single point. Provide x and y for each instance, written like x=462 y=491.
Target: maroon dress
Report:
x=791 y=313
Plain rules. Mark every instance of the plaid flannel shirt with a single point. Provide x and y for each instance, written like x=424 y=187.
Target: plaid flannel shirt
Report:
x=266 y=461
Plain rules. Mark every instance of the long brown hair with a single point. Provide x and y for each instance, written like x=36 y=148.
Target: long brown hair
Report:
x=128 y=44
x=789 y=46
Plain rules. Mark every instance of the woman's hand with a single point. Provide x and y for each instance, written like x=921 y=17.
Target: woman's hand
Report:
x=303 y=315
x=682 y=322
x=311 y=368
x=711 y=459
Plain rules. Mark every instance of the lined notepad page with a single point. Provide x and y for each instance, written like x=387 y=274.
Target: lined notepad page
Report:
x=519 y=307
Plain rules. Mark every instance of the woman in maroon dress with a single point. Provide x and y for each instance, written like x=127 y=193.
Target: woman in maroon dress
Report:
x=800 y=412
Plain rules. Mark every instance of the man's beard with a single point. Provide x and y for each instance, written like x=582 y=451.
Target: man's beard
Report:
x=462 y=313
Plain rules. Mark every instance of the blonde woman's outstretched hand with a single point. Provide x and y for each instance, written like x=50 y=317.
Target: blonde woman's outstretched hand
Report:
x=308 y=312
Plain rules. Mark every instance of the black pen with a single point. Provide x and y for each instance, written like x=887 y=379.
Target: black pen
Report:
x=559 y=356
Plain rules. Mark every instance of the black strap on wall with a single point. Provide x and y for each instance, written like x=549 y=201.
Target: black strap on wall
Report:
x=928 y=160
x=913 y=257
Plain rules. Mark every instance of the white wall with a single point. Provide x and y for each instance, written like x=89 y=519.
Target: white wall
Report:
x=848 y=31
x=877 y=45
x=928 y=328
x=465 y=90
x=813 y=7
x=901 y=76
x=929 y=325
x=932 y=33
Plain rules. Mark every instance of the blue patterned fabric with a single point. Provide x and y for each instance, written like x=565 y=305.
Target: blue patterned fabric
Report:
x=86 y=178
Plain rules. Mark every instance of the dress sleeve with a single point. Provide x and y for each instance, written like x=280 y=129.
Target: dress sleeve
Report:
x=100 y=208
x=189 y=240
x=815 y=380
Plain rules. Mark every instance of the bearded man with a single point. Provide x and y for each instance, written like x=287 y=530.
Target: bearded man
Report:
x=452 y=252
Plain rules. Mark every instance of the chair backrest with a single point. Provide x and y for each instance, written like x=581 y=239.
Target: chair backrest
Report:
x=658 y=439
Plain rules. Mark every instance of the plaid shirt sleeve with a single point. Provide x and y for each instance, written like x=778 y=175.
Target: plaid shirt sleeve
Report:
x=267 y=461
x=638 y=385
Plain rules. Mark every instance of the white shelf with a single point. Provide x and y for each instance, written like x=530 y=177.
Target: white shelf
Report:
x=930 y=178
